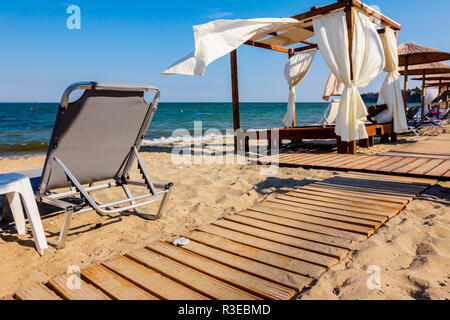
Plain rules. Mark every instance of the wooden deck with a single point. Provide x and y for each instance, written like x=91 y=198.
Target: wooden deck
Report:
x=269 y=251
x=402 y=165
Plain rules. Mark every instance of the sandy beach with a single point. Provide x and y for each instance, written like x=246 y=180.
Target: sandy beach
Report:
x=412 y=250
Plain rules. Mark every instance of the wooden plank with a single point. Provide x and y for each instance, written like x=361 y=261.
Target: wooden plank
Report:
x=84 y=292
x=399 y=164
x=114 y=285
x=271 y=246
x=279 y=234
x=361 y=160
x=383 y=185
x=356 y=198
x=297 y=209
x=8 y=297
x=447 y=174
x=393 y=178
x=263 y=288
x=269 y=258
x=388 y=200
x=282 y=277
x=189 y=277
x=305 y=225
x=374 y=161
x=381 y=165
x=38 y=292
x=151 y=281
x=354 y=204
x=345 y=208
x=430 y=165
x=398 y=195
x=298 y=227
x=413 y=165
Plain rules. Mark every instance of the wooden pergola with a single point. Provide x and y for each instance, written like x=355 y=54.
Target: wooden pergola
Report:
x=283 y=41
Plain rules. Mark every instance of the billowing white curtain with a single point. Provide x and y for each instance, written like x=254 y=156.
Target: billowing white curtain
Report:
x=295 y=71
x=217 y=38
x=334 y=87
x=367 y=59
x=431 y=93
x=391 y=92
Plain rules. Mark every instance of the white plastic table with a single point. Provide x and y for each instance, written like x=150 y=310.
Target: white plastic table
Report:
x=16 y=186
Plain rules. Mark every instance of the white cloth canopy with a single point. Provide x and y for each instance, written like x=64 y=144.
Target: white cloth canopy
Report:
x=367 y=60
x=431 y=93
x=330 y=114
x=217 y=38
x=391 y=92
x=295 y=71
x=334 y=87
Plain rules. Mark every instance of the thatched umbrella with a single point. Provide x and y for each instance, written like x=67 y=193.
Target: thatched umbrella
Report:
x=410 y=54
x=423 y=70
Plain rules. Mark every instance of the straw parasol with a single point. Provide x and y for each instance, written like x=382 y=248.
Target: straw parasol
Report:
x=411 y=54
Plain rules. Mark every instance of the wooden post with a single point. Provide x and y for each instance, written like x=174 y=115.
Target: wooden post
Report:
x=446 y=99
x=423 y=96
x=439 y=105
x=235 y=93
x=351 y=145
x=290 y=54
x=405 y=95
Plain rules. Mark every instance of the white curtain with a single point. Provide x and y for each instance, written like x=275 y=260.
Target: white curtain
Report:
x=334 y=87
x=391 y=92
x=295 y=71
x=431 y=93
x=217 y=38
x=367 y=60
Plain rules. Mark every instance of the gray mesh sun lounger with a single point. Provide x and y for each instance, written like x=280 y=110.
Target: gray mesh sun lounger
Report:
x=96 y=138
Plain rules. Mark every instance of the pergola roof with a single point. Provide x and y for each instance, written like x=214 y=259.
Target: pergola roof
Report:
x=427 y=68
x=417 y=54
x=279 y=40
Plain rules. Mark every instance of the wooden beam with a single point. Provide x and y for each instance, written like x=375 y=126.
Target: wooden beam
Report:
x=265 y=46
x=341 y=4
x=312 y=46
x=405 y=87
x=235 y=89
x=279 y=49
x=317 y=11
x=364 y=8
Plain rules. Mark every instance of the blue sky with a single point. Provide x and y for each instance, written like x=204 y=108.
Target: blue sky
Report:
x=134 y=41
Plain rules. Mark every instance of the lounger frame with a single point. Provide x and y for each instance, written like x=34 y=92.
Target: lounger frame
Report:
x=72 y=207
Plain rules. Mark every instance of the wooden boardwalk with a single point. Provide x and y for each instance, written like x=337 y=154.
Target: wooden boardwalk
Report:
x=269 y=251
x=402 y=165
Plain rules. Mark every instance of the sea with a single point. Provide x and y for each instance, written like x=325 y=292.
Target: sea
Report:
x=25 y=128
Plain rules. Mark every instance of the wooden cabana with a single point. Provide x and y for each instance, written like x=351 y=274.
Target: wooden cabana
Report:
x=283 y=42
x=424 y=70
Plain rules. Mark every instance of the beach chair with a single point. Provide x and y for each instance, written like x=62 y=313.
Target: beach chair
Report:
x=427 y=119
x=95 y=140
x=330 y=114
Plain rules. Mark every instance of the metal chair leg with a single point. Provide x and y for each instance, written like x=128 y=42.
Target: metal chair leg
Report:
x=162 y=206
x=65 y=228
